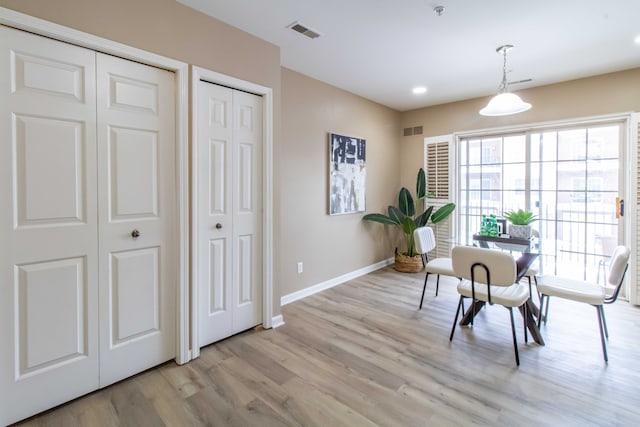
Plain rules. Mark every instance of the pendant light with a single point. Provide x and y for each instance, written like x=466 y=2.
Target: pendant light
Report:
x=504 y=103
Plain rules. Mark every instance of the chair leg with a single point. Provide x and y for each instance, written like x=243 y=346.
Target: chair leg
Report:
x=604 y=322
x=424 y=288
x=515 y=340
x=604 y=343
x=546 y=311
x=453 y=328
x=437 y=283
x=526 y=336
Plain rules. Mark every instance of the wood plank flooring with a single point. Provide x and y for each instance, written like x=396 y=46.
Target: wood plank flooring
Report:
x=361 y=354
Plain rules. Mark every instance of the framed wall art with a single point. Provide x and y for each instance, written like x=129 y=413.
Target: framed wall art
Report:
x=347 y=174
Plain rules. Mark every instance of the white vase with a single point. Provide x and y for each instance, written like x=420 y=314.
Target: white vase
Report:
x=520 y=231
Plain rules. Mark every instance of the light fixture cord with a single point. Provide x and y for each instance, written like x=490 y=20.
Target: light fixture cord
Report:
x=504 y=84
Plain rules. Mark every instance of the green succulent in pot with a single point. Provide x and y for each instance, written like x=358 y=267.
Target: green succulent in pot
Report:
x=520 y=223
x=407 y=217
x=520 y=217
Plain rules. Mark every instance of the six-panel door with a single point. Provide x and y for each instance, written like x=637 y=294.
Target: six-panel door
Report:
x=229 y=216
x=84 y=161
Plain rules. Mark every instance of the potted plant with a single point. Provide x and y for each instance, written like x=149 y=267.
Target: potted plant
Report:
x=406 y=217
x=520 y=220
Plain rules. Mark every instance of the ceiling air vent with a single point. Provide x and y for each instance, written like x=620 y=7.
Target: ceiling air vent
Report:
x=304 y=30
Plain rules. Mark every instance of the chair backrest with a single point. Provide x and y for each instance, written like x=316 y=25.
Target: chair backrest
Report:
x=424 y=239
x=501 y=265
x=617 y=269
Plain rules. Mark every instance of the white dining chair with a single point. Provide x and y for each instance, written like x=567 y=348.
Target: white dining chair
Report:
x=425 y=241
x=587 y=292
x=488 y=276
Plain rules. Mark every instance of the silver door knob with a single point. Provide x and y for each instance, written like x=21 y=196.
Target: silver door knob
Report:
x=218 y=226
x=135 y=233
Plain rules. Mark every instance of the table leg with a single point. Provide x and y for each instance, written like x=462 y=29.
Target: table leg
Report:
x=530 y=321
x=471 y=312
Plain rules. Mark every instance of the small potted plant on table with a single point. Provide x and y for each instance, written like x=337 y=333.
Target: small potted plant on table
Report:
x=520 y=220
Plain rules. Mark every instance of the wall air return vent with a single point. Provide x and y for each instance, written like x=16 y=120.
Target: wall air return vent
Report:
x=304 y=30
x=416 y=130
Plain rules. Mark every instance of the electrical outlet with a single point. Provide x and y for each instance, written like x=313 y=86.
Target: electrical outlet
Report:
x=299 y=267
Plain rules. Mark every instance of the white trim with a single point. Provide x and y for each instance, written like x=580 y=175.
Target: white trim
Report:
x=295 y=296
x=38 y=26
x=538 y=126
x=277 y=321
x=631 y=209
x=198 y=74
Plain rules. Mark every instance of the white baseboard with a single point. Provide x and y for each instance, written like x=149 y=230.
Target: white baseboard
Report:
x=277 y=321
x=295 y=296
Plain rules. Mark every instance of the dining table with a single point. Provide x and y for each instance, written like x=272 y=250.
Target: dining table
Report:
x=525 y=252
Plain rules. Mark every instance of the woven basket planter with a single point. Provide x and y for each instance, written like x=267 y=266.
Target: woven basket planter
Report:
x=406 y=264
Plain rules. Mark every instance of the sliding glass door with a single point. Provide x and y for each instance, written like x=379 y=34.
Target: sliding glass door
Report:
x=569 y=177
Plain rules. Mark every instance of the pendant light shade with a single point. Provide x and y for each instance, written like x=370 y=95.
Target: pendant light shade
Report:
x=504 y=103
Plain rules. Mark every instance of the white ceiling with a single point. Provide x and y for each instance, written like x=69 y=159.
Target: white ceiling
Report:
x=381 y=49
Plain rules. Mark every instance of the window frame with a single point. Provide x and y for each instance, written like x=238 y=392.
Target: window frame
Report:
x=626 y=227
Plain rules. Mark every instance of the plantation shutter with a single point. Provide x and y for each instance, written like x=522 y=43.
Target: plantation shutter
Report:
x=437 y=163
x=437 y=168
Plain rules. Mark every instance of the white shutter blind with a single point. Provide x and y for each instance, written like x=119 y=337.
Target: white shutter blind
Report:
x=437 y=164
x=437 y=169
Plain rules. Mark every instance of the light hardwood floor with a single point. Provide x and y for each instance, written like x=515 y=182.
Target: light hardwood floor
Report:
x=362 y=354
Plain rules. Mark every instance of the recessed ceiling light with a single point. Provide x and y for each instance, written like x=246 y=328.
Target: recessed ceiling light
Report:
x=637 y=39
x=419 y=90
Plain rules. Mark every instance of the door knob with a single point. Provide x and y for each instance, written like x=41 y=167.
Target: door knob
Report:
x=135 y=233
x=218 y=226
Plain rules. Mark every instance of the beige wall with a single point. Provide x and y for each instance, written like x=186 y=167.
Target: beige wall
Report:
x=330 y=246
x=600 y=95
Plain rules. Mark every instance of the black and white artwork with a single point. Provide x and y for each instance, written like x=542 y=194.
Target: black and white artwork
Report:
x=347 y=174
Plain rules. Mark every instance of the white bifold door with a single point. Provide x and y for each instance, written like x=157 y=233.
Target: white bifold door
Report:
x=86 y=165
x=229 y=211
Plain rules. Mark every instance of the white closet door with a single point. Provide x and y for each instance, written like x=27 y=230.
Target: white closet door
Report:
x=229 y=217
x=48 y=224
x=136 y=197
x=247 y=211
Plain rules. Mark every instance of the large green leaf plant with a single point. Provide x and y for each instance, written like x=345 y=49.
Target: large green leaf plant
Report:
x=407 y=217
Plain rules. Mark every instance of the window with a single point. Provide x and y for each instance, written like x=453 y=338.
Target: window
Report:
x=569 y=178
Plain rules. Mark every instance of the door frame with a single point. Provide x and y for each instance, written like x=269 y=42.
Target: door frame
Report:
x=202 y=74
x=41 y=27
